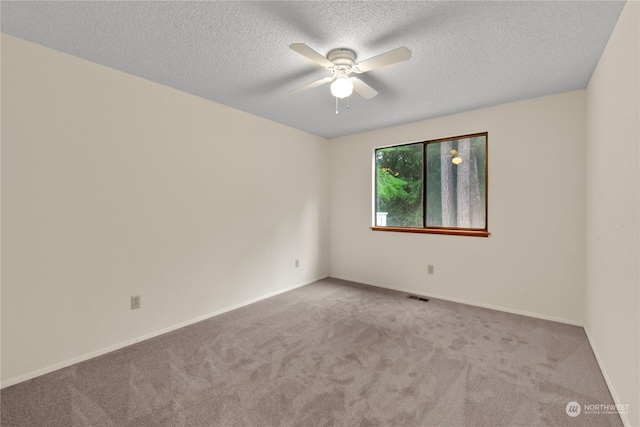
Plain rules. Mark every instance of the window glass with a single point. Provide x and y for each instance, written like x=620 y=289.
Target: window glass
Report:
x=449 y=174
x=399 y=186
x=456 y=183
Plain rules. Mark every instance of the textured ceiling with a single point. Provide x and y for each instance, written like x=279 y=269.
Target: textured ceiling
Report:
x=466 y=55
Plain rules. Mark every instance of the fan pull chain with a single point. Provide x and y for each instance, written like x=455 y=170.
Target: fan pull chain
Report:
x=337 y=103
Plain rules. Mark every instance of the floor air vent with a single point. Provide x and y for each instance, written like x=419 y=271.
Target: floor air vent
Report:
x=417 y=298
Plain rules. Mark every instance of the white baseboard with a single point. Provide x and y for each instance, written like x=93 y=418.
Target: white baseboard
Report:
x=463 y=301
x=607 y=380
x=105 y=350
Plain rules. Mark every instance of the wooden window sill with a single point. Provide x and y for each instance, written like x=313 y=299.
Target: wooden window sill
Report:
x=474 y=233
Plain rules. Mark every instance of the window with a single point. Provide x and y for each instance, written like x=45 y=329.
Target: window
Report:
x=437 y=186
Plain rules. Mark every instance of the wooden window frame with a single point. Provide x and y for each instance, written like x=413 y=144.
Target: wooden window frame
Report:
x=451 y=231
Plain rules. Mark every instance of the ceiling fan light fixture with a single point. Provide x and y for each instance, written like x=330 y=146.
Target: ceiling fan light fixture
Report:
x=341 y=87
x=341 y=62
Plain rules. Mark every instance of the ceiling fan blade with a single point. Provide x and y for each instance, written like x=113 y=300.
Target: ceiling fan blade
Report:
x=392 y=57
x=363 y=89
x=311 y=54
x=311 y=85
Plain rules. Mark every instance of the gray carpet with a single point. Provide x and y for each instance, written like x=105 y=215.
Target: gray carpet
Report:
x=332 y=353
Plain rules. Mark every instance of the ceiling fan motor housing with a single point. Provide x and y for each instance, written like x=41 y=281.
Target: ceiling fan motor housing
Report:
x=342 y=56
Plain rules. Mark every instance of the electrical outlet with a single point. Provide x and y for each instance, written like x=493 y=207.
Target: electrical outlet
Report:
x=135 y=302
x=297 y=263
x=430 y=269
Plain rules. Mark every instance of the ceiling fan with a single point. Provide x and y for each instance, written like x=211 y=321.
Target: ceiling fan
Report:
x=342 y=64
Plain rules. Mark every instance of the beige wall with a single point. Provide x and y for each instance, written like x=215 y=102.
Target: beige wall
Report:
x=114 y=186
x=612 y=309
x=533 y=262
